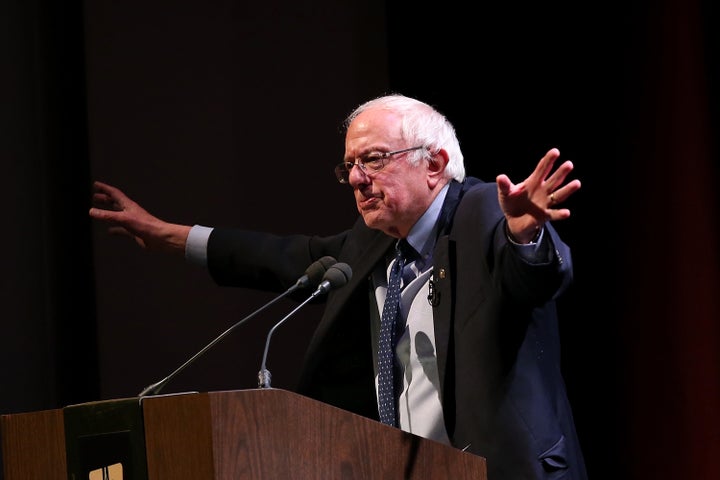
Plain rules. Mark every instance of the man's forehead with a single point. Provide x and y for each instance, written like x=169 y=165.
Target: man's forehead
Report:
x=373 y=128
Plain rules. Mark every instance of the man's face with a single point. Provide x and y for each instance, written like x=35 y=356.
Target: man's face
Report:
x=395 y=197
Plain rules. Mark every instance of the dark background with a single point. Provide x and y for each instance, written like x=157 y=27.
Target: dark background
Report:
x=226 y=113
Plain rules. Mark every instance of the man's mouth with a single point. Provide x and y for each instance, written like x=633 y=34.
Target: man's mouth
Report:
x=368 y=203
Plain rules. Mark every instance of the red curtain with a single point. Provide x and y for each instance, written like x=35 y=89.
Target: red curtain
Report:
x=673 y=314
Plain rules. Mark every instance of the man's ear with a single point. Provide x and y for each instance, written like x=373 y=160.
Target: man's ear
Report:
x=436 y=166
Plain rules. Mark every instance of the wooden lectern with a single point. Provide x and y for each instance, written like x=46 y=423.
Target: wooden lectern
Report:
x=238 y=434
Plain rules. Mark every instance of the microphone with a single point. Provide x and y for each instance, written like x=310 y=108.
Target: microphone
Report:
x=315 y=273
x=337 y=275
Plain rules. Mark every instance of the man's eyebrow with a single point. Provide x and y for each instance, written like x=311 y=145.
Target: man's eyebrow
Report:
x=366 y=151
x=375 y=150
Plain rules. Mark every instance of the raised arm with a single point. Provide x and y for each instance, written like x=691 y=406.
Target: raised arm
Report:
x=529 y=204
x=126 y=217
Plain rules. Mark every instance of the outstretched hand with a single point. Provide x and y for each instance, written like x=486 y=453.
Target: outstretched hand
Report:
x=529 y=204
x=126 y=217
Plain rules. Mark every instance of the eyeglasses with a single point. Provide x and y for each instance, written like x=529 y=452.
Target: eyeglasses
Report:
x=370 y=164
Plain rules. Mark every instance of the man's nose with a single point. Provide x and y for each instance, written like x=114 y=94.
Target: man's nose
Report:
x=357 y=175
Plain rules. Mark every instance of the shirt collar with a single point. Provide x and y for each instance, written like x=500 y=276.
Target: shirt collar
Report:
x=423 y=234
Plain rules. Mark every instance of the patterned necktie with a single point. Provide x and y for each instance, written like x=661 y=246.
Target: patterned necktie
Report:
x=386 y=347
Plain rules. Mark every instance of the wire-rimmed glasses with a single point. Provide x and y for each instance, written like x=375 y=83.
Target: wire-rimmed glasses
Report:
x=369 y=164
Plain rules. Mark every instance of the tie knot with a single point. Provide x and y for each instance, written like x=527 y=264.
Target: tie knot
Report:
x=406 y=251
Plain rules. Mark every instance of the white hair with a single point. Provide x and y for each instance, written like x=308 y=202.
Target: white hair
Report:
x=421 y=124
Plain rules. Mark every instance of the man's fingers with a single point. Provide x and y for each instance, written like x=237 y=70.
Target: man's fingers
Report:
x=545 y=165
x=504 y=184
x=116 y=230
x=556 y=180
x=106 y=215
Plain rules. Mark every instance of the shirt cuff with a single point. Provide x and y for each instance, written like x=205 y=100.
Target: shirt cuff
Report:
x=533 y=252
x=196 y=245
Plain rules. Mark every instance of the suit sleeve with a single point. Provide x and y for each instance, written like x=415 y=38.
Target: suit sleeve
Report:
x=264 y=261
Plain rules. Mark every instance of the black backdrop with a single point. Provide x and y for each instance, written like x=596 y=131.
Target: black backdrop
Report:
x=222 y=113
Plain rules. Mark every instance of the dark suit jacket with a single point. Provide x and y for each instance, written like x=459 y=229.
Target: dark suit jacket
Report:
x=496 y=329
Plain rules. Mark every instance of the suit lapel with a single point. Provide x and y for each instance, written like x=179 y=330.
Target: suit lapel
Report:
x=362 y=261
x=441 y=282
x=441 y=300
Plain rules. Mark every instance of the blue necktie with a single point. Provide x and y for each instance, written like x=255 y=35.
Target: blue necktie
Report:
x=386 y=347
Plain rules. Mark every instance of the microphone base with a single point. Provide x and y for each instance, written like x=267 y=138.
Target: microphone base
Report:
x=264 y=378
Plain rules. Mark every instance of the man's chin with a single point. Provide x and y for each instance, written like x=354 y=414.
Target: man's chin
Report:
x=374 y=221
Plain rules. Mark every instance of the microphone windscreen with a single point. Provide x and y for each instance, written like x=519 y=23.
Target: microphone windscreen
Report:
x=326 y=263
x=315 y=272
x=317 y=269
x=338 y=275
